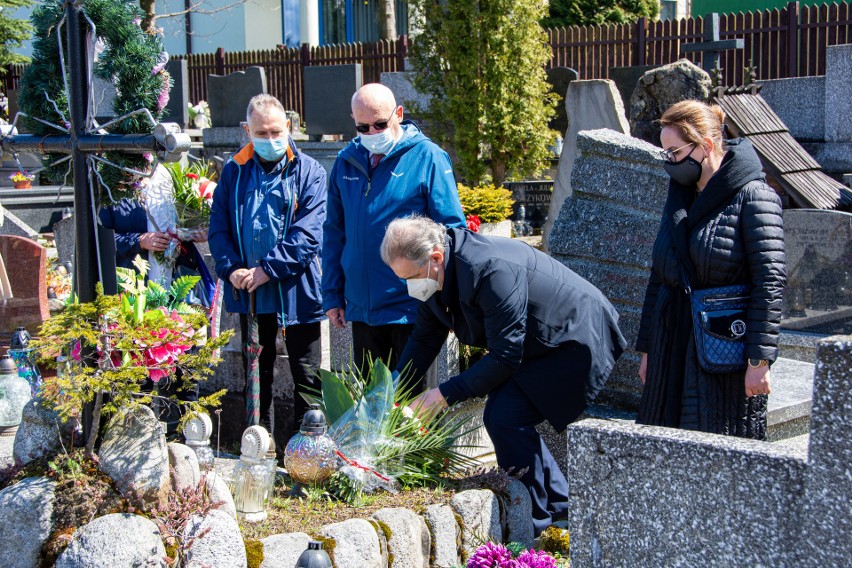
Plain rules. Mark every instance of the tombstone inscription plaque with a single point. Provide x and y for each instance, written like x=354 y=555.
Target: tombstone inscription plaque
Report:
x=535 y=197
x=818 y=297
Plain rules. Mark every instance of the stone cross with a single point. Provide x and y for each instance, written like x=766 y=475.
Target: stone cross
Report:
x=712 y=46
x=80 y=142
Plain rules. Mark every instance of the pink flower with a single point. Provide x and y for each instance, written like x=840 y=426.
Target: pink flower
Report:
x=76 y=351
x=163 y=99
x=536 y=559
x=490 y=555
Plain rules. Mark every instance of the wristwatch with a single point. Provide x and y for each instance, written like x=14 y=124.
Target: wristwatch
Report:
x=757 y=363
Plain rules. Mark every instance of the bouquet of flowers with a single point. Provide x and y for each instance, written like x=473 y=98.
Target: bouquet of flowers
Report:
x=193 y=197
x=380 y=441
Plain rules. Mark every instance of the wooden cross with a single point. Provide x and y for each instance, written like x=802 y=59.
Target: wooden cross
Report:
x=712 y=46
x=80 y=143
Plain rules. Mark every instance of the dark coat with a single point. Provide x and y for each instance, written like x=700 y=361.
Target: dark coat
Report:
x=733 y=234
x=520 y=304
x=293 y=264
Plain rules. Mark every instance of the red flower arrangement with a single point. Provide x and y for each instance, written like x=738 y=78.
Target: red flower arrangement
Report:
x=473 y=223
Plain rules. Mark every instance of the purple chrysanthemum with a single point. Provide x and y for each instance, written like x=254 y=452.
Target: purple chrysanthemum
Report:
x=536 y=559
x=490 y=555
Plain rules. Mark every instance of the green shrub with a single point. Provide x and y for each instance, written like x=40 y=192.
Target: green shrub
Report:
x=491 y=204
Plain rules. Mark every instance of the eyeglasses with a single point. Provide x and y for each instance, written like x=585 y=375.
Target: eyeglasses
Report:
x=670 y=155
x=380 y=125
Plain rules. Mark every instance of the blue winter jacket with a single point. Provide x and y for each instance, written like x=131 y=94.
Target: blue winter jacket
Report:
x=415 y=177
x=292 y=263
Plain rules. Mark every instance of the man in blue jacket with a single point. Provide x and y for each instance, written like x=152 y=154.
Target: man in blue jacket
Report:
x=391 y=170
x=552 y=340
x=265 y=236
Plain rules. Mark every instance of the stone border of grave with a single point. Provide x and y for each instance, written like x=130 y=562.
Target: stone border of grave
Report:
x=138 y=457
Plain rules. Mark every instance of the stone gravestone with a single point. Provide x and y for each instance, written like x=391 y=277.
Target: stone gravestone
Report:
x=559 y=78
x=838 y=103
x=605 y=232
x=818 y=297
x=401 y=85
x=626 y=79
x=328 y=98
x=63 y=235
x=535 y=196
x=177 y=109
x=659 y=89
x=26 y=266
x=229 y=95
x=104 y=94
x=590 y=105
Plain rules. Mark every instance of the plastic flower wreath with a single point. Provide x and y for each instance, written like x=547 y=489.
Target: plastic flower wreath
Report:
x=117 y=343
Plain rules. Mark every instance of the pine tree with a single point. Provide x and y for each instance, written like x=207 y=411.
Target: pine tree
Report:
x=482 y=63
x=13 y=33
x=585 y=12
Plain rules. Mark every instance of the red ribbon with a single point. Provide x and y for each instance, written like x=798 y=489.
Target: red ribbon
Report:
x=174 y=235
x=359 y=466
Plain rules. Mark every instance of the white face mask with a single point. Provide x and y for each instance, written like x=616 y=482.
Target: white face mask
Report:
x=422 y=288
x=379 y=143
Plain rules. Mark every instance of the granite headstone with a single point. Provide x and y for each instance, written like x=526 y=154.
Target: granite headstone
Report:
x=26 y=265
x=660 y=88
x=401 y=85
x=818 y=297
x=626 y=79
x=838 y=83
x=229 y=95
x=605 y=232
x=328 y=99
x=63 y=236
x=535 y=197
x=177 y=109
x=590 y=105
x=559 y=78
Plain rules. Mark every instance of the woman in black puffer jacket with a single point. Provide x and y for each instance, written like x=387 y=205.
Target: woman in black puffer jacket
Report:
x=725 y=223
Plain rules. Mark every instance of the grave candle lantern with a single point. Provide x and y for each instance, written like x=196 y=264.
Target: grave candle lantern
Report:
x=197 y=435
x=314 y=557
x=252 y=475
x=310 y=455
x=22 y=354
x=14 y=395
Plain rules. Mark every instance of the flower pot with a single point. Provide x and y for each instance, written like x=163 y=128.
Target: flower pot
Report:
x=22 y=184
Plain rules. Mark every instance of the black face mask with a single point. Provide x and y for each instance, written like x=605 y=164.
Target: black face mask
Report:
x=686 y=172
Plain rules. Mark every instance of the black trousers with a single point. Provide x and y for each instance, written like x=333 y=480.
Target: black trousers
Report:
x=304 y=355
x=385 y=342
x=512 y=412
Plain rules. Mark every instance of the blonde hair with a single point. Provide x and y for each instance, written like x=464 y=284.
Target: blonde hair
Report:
x=695 y=121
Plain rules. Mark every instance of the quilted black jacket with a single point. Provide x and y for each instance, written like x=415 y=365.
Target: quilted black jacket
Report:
x=735 y=236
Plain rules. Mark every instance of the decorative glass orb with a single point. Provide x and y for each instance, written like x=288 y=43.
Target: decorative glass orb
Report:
x=197 y=434
x=310 y=455
x=14 y=395
x=252 y=475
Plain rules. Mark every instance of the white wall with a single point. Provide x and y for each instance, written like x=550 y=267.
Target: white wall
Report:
x=262 y=24
x=244 y=25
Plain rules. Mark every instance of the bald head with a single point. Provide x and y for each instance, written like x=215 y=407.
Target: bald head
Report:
x=374 y=103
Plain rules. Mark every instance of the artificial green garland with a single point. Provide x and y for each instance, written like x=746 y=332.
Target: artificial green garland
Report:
x=132 y=60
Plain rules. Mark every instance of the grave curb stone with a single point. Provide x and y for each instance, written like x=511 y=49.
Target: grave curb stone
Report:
x=283 y=550
x=26 y=511
x=409 y=541
x=356 y=543
x=222 y=545
x=479 y=518
x=446 y=535
x=119 y=539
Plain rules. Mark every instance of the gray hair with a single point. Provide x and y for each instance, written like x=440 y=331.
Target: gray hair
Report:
x=262 y=102
x=413 y=238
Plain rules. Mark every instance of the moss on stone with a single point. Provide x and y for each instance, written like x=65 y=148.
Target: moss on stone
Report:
x=386 y=530
x=328 y=544
x=254 y=552
x=553 y=539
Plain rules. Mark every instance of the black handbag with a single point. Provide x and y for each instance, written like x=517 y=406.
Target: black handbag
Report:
x=719 y=317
